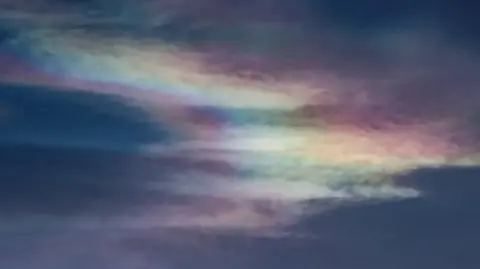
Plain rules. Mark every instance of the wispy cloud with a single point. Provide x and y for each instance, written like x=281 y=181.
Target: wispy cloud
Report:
x=368 y=104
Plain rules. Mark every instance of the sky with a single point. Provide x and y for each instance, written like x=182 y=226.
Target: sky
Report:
x=239 y=134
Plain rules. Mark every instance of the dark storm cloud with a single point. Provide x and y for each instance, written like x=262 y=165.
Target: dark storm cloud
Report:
x=69 y=117
x=69 y=152
x=453 y=16
x=55 y=147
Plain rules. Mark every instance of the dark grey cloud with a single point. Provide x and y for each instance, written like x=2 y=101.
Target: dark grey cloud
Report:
x=58 y=147
x=66 y=152
x=37 y=114
x=454 y=17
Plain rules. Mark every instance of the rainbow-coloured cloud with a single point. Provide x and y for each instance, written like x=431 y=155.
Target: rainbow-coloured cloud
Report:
x=291 y=135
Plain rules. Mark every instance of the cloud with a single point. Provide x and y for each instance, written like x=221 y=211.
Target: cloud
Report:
x=286 y=113
x=351 y=154
x=370 y=102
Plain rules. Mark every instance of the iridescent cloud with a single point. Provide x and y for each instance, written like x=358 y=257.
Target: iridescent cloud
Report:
x=336 y=131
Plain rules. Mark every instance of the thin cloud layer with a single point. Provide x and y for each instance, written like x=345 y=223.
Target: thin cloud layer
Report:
x=357 y=107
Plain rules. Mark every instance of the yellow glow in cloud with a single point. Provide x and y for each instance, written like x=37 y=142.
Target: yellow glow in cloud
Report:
x=154 y=65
